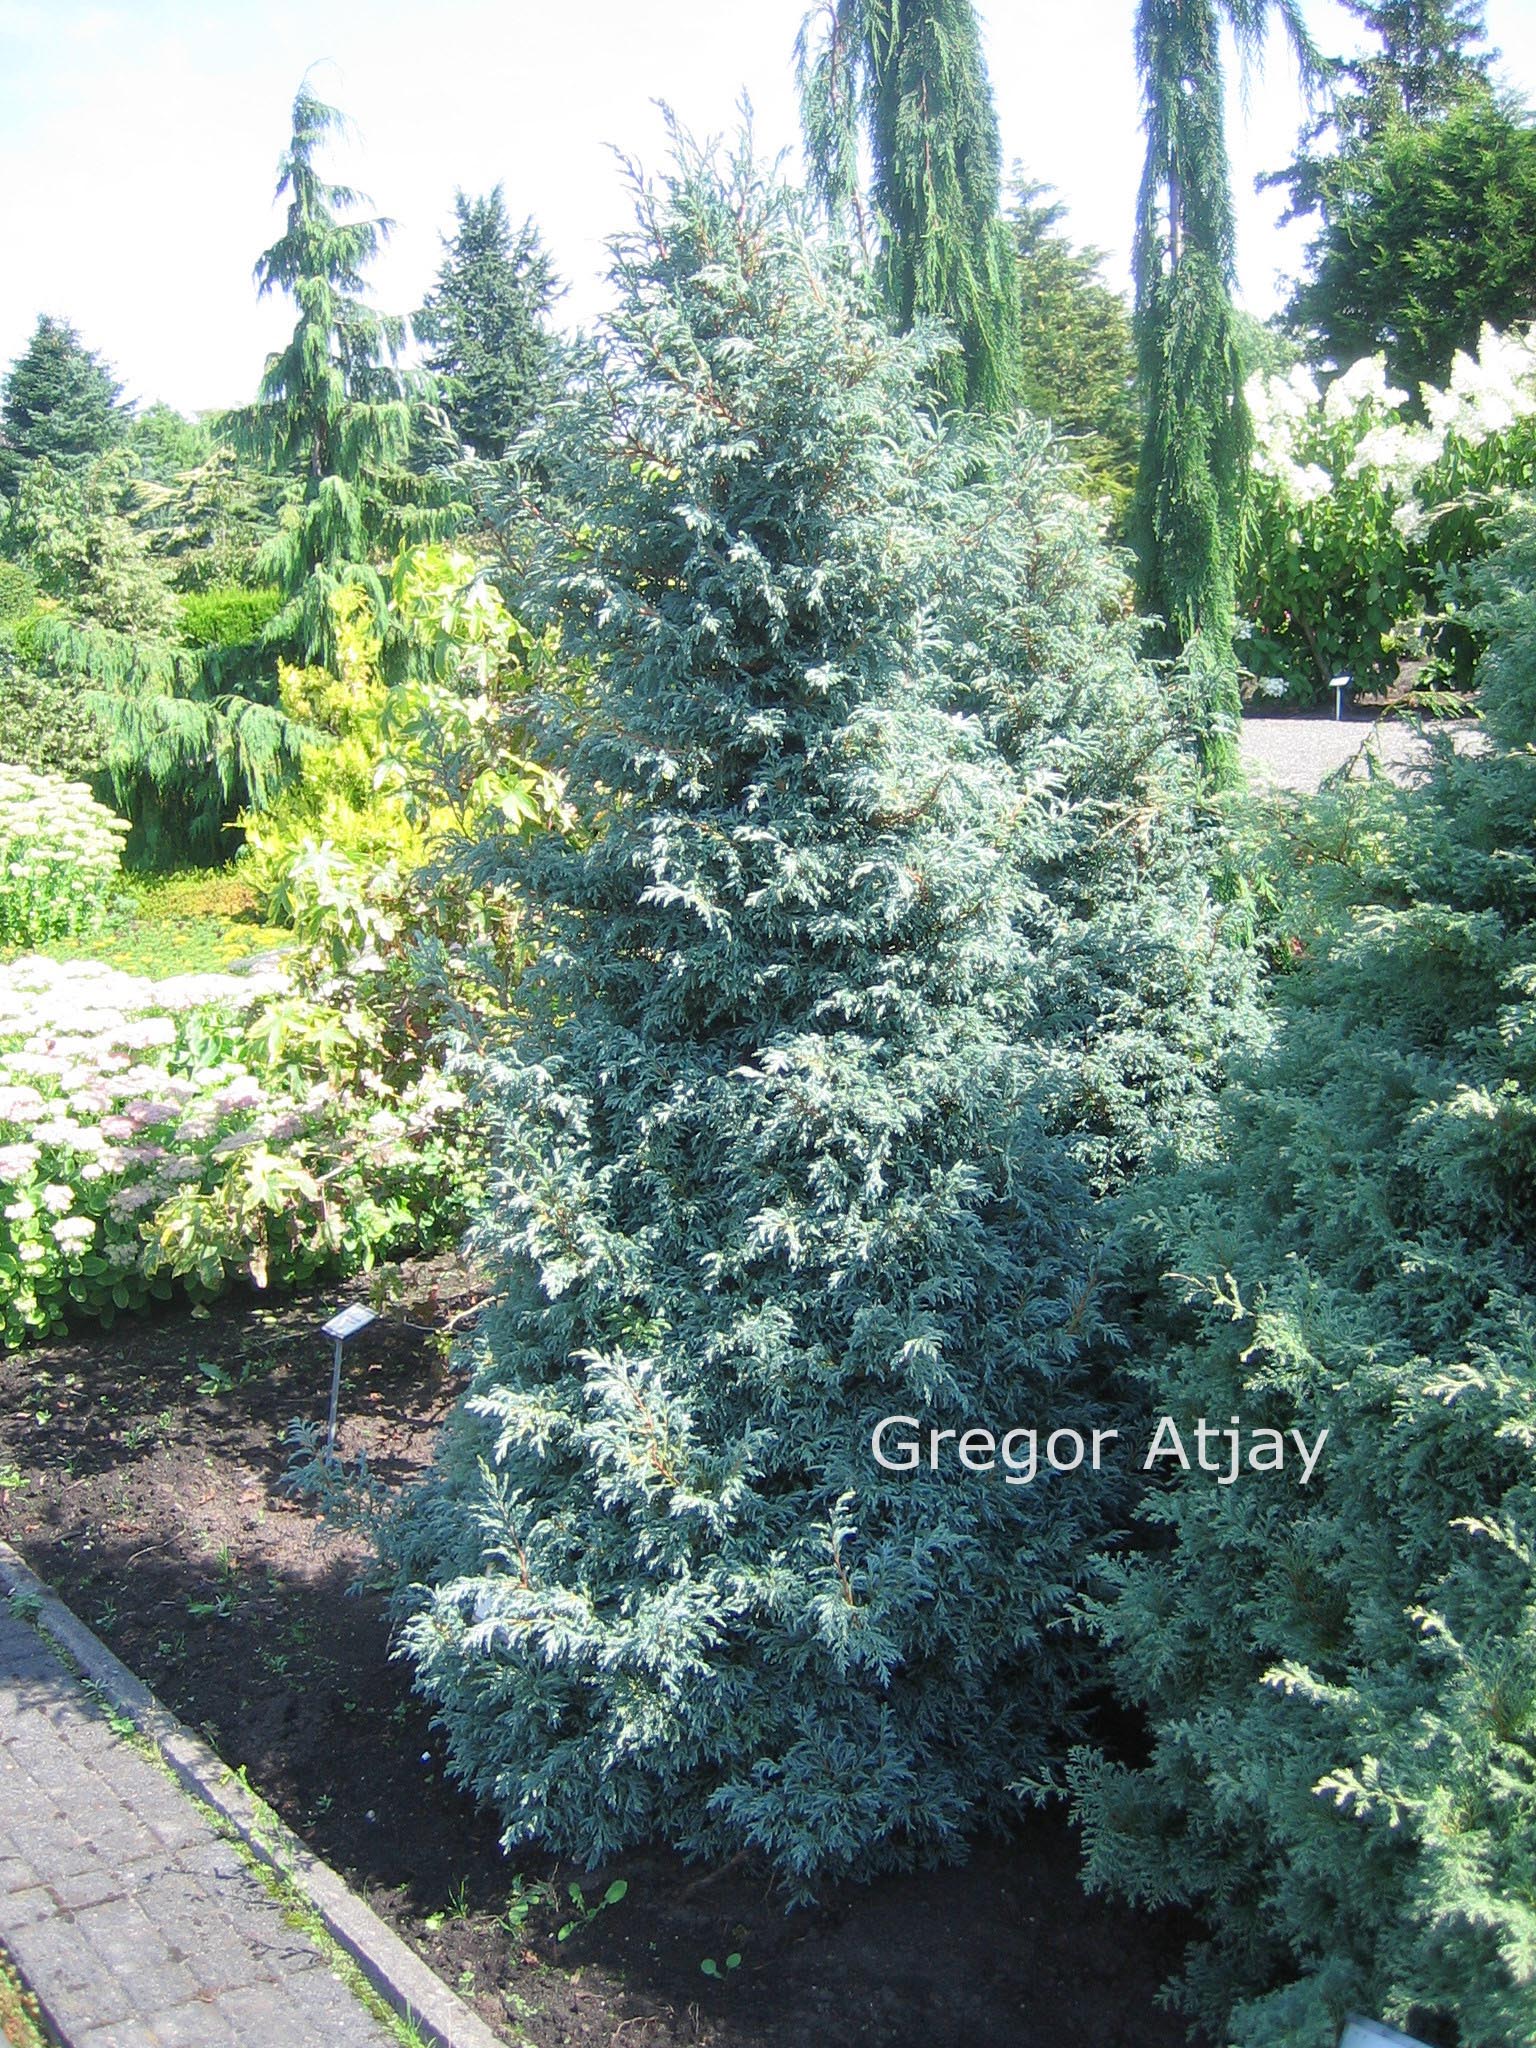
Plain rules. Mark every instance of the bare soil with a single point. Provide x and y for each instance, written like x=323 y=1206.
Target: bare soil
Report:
x=141 y=1474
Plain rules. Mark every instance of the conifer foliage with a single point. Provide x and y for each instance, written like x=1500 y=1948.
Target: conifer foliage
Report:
x=58 y=402
x=334 y=412
x=1341 y=1678
x=805 y=1126
x=483 y=325
x=1196 y=433
x=913 y=72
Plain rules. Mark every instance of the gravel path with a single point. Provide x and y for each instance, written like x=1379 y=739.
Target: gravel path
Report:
x=1296 y=753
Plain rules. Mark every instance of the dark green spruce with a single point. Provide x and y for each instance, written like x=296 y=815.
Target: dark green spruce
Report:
x=58 y=402
x=483 y=325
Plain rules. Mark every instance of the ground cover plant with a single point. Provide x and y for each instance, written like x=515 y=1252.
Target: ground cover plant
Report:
x=876 y=950
x=1339 y=1680
x=189 y=921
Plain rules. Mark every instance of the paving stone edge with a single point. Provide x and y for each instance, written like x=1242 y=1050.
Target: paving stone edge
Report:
x=394 y=1970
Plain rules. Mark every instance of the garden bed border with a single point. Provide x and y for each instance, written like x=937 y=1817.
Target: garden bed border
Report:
x=394 y=1970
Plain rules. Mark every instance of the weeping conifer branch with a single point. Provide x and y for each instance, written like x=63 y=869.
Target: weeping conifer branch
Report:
x=181 y=755
x=1196 y=431
x=911 y=73
x=334 y=409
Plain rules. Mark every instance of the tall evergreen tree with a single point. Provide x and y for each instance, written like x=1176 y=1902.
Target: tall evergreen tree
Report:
x=334 y=411
x=1425 y=64
x=1429 y=231
x=913 y=72
x=1196 y=431
x=58 y=402
x=483 y=325
x=1425 y=181
x=879 y=951
x=1077 y=355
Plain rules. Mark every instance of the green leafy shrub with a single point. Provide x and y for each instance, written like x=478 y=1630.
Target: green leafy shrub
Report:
x=196 y=1130
x=226 y=615
x=1340 y=1679
x=46 y=723
x=19 y=591
x=880 y=828
x=60 y=855
x=1364 y=520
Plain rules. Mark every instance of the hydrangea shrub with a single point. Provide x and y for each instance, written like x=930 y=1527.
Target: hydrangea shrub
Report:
x=190 y=1131
x=874 y=956
x=60 y=857
x=1367 y=511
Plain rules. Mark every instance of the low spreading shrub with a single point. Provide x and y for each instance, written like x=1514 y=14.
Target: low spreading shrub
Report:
x=60 y=856
x=188 y=1131
x=1340 y=1677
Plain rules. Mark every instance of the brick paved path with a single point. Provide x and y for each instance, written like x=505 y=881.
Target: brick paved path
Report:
x=135 y=1925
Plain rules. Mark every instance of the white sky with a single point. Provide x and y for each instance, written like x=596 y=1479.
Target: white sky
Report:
x=139 y=139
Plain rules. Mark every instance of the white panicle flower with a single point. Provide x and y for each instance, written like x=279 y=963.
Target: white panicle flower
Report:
x=1363 y=383
x=1398 y=453
x=74 y=1232
x=21 y=1211
x=57 y=1199
x=1410 y=519
x=1309 y=483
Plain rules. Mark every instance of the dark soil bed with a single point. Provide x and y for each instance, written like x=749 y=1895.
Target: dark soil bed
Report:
x=141 y=1473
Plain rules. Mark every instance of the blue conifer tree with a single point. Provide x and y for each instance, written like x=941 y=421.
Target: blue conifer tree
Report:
x=878 y=954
